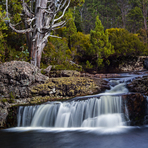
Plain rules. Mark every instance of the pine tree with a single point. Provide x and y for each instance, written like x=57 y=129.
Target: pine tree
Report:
x=101 y=48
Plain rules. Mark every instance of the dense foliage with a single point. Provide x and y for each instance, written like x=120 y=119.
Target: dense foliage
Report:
x=97 y=32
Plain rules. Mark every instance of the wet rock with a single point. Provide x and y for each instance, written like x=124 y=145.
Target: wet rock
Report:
x=146 y=63
x=139 y=85
x=3 y=116
x=136 y=105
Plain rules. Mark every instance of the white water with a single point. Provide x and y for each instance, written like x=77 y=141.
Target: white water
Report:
x=105 y=111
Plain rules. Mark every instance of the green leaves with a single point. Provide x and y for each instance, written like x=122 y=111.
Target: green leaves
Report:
x=3 y=27
x=100 y=48
x=125 y=43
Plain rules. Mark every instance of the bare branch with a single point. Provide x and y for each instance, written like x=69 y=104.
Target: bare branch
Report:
x=49 y=12
x=63 y=12
x=52 y=27
x=20 y=31
x=13 y=25
x=58 y=24
x=55 y=36
x=29 y=21
x=27 y=10
x=46 y=37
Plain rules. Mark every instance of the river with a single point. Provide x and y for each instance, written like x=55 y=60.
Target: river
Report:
x=96 y=121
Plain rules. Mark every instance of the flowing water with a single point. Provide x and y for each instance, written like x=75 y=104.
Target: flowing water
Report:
x=104 y=111
x=91 y=121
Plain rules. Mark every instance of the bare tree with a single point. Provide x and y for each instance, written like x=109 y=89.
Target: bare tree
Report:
x=40 y=18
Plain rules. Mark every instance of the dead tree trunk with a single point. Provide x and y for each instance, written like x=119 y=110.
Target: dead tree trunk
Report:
x=39 y=22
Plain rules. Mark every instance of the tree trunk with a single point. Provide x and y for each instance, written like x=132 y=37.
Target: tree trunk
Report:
x=145 y=15
x=37 y=43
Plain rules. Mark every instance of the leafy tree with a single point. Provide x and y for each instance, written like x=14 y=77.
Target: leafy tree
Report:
x=125 y=43
x=100 y=48
x=81 y=44
x=70 y=28
x=135 y=19
x=56 y=52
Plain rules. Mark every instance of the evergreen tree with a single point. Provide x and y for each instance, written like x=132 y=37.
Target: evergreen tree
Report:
x=70 y=28
x=101 y=48
x=2 y=34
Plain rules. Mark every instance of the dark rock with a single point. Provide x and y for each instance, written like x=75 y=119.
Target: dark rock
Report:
x=136 y=105
x=139 y=85
x=146 y=63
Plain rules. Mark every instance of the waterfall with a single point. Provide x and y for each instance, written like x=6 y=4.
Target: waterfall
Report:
x=104 y=111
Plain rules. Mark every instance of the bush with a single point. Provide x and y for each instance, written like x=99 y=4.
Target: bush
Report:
x=125 y=43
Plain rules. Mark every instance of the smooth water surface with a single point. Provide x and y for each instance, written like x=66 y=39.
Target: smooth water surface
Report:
x=124 y=137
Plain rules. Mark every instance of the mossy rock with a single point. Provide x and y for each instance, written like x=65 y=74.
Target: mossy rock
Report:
x=66 y=87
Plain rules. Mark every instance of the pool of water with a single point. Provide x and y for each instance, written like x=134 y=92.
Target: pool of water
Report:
x=119 y=137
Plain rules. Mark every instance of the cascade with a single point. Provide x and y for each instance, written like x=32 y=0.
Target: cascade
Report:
x=102 y=111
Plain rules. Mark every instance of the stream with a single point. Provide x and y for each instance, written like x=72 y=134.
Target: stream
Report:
x=97 y=121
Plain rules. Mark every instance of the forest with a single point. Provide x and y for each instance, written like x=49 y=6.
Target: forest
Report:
x=98 y=34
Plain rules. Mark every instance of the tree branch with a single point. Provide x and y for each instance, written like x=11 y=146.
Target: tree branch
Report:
x=58 y=24
x=27 y=11
x=20 y=31
x=63 y=11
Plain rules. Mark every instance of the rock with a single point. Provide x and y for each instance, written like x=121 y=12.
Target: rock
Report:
x=139 y=85
x=16 y=77
x=66 y=87
x=3 y=117
x=64 y=73
x=136 y=105
x=47 y=70
x=70 y=73
x=132 y=64
x=146 y=63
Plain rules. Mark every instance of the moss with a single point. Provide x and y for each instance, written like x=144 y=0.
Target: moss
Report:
x=12 y=95
x=43 y=72
x=65 y=86
x=4 y=100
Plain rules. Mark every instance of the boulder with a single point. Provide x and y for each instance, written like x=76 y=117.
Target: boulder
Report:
x=139 y=85
x=146 y=63
x=136 y=106
x=16 y=77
